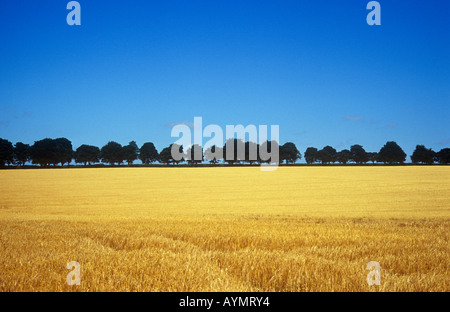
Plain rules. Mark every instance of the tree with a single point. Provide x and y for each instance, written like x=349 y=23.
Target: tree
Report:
x=166 y=154
x=6 y=152
x=327 y=154
x=344 y=156
x=391 y=153
x=237 y=145
x=359 y=155
x=422 y=155
x=251 y=152
x=112 y=153
x=373 y=156
x=130 y=152
x=51 y=152
x=311 y=155
x=21 y=153
x=41 y=152
x=87 y=154
x=64 y=152
x=191 y=151
x=213 y=154
x=180 y=149
x=443 y=156
x=148 y=153
x=289 y=153
x=268 y=146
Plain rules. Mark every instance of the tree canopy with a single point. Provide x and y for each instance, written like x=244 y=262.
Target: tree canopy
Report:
x=130 y=152
x=422 y=155
x=21 y=153
x=234 y=151
x=192 y=152
x=6 y=152
x=251 y=152
x=214 y=154
x=358 y=154
x=148 y=153
x=87 y=154
x=392 y=153
x=289 y=153
x=443 y=156
x=48 y=152
x=311 y=155
x=344 y=156
x=166 y=154
x=51 y=152
x=112 y=153
x=327 y=155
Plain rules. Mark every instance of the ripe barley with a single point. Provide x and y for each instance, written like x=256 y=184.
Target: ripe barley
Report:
x=225 y=229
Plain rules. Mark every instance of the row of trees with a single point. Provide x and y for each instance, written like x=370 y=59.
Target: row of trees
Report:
x=48 y=152
x=241 y=152
x=390 y=153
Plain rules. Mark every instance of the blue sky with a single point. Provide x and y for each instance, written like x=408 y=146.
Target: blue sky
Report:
x=315 y=68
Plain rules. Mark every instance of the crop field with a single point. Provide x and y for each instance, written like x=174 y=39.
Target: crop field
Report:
x=226 y=229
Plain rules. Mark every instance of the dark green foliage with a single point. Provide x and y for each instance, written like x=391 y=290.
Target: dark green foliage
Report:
x=21 y=153
x=392 y=153
x=6 y=152
x=344 y=156
x=358 y=154
x=251 y=152
x=166 y=154
x=422 y=155
x=112 y=153
x=51 y=152
x=191 y=154
x=64 y=151
x=59 y=151
x=148 y=153
x=373 y=156
x=130 y=152
x=236 y=151
x=41 y=152
x=289 y=153
x=443 y=156
x=268 y=147
x=311 y=155
x=87 y=154
x=327 y=154
x=213 y=154
x=175 y=147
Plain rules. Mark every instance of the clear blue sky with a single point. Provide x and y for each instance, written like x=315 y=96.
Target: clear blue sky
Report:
x=315 y=68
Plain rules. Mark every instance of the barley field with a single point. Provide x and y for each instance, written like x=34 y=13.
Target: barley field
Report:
x=225 y=229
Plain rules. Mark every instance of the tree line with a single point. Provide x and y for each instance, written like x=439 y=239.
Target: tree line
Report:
x=53 y=152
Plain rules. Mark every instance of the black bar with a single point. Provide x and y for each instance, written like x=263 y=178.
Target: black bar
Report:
x=213 y=301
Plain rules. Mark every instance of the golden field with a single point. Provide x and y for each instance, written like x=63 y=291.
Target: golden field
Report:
x=225 y=229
